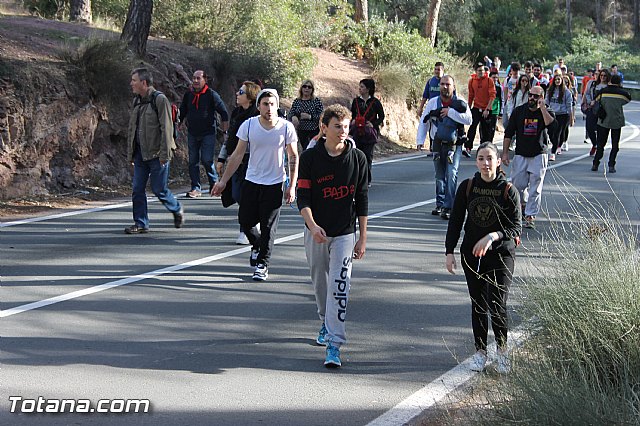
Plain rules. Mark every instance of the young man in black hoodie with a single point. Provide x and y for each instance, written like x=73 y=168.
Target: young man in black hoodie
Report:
x=332 y=192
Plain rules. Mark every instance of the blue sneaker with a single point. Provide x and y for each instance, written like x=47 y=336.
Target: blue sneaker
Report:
x=322 y=336
x=333 y=357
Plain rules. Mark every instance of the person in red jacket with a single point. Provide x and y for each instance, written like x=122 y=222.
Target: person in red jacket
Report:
x=482 y=92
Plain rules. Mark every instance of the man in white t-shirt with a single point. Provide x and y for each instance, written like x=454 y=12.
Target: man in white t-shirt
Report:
x=267 y=137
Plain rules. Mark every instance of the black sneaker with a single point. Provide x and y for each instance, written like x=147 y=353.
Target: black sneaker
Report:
x=466 y=152
x=178 y=218
x=261 y=273
x=437 y=211
x=445 y=214
x=612 y=169
x=135 y=229
x=594 y=168
x=253 y=257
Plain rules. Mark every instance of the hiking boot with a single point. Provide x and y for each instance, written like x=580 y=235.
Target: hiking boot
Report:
x=594 y=168
x=194 y=193
x=178 y=218
x=332 y=360
x=437 y=211
x=322 y=336
x=261 y=273
x=445 y=214
x=135 y=229
x=479 y=361
x=593 y=150
x=503 y=363
x=253 y=257
x=466 y=152
x=242 y=239
x=612 y=169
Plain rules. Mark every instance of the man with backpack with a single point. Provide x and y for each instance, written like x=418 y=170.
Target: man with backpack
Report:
x=444 y=117
x=198 y=108
x=150 y=146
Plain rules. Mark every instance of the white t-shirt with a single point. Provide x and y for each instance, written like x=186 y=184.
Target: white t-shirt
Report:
x=267 y=149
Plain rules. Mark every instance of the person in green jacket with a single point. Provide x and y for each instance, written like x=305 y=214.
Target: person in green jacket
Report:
x=612 y=98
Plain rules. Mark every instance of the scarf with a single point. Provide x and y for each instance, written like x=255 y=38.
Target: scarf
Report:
x=196 y=96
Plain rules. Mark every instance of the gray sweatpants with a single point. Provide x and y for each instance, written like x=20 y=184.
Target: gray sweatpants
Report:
x=527 y=175
x=330 y=266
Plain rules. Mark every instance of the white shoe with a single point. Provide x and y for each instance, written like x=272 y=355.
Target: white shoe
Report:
x=479 y=361
x=242 y=239
x=565 y=146
x=552 y=157
x=503 y=363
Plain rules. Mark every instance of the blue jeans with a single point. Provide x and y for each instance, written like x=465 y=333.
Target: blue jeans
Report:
x=159 y=174
x=201 y=151
x=446 y=172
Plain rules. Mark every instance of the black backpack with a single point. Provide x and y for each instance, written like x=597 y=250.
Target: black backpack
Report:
x=175 y=112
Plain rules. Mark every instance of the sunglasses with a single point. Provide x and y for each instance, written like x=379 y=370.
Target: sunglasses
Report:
x=241 y=92
x=534 y=96
x=306 y=86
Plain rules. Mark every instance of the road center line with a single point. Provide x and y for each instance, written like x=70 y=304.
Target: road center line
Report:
x=170 y=269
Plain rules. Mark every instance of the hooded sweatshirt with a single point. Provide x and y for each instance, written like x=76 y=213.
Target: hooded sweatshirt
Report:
x=482 y=91
x=489 y=207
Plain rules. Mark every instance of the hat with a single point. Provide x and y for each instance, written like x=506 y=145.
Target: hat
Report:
x=273 y=92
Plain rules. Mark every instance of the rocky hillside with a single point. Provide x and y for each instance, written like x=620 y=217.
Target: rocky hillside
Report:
x=57 y=135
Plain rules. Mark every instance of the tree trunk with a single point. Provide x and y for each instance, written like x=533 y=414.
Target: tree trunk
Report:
x=431 y=27
x=636 y=19
x=80 y=11
x=568 y=3
x=598 y=17
x=362 y=11
x=136 y=28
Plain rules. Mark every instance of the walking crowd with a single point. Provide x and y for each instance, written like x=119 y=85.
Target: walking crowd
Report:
x=259 y=166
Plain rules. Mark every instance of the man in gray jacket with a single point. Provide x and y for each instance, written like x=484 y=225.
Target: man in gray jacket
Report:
x=150 y=149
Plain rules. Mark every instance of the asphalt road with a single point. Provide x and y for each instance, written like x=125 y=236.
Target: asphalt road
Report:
x=173 y=315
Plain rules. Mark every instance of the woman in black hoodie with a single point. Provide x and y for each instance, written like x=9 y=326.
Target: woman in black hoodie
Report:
x=246 y=101
x=492 y=229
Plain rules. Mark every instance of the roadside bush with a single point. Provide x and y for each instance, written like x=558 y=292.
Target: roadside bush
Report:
x=587 y=49
x=581 y=363
x=50 y=9
x=393 y=79
x=105 y=66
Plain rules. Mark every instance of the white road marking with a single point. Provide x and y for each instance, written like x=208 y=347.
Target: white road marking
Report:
x=170 y=269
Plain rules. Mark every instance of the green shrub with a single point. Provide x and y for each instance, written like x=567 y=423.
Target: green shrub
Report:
x=581 y=363
x=105 y=66
x=50 y=9
x=394 y=80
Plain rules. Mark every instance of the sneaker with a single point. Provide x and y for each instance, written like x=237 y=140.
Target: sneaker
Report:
x=479 y=361
x=419 y=147
x=587 y=141
x=466 y=152
x=593 y=150
x=503 y=363
x=242 y=239
x=529 y=222
x=437 y=211
x=135 y=229
x=594 y=168
x=178 y=218
x=322 y=336
x=194 y=193
x=565 y=146
x=552 y=157
x=612 y=169
x=332 y=359
x=450 y=157
x=253 y=257
x=559 y=151
x=261 y=273
x=445 y=214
